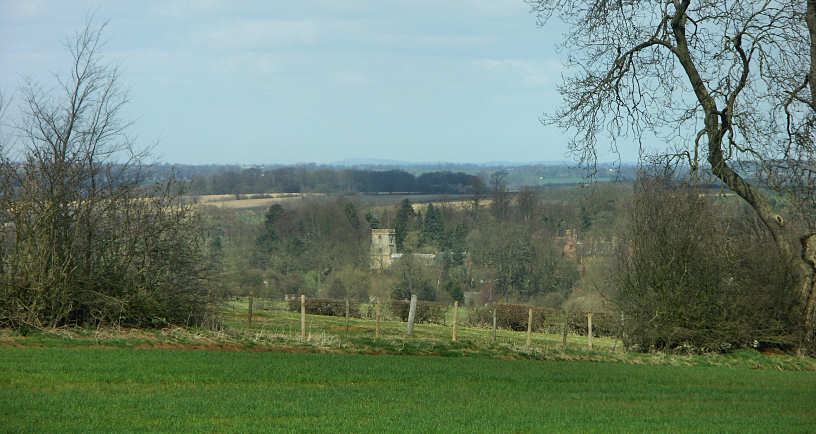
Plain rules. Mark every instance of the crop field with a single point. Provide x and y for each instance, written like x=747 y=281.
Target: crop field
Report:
x=265 y=378
x=116 y=389
x=253 y=201
x=248 y=201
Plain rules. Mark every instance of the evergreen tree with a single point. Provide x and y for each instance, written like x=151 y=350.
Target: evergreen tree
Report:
x=454 y=289
x=402 y=223
x=267 y=240
x=433 y=229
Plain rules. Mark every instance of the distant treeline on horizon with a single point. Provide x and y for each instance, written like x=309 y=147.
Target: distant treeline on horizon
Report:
x=433 y=178
x=299 y=179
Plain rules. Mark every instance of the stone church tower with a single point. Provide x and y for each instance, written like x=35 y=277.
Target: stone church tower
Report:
x=383 y=245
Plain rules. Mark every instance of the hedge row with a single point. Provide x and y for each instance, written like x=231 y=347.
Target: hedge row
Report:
x=508 y=316
x=425 y=311
x=327 y=307
x=545 y=320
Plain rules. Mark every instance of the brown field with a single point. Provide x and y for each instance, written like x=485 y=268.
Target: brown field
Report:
x=264 y=200
x=253 y=200
x=455 y=204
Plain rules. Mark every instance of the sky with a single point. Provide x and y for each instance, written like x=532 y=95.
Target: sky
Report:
x=284 y=82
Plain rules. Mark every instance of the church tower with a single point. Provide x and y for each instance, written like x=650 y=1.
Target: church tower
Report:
x=383 y=245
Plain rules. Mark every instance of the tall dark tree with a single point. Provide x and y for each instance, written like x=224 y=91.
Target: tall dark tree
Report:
x=500 y=205
x=269 y=237
x=433 y=228
x=352 y=216
x=403 y=222
x=526 y=202
x=478 y=192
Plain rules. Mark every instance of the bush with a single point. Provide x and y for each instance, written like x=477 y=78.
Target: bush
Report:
x=326 y=307
x=545 y=320
x=515 y=316
x=87 y=237
x=603 y=324
x=695 y=275
x=426 y=312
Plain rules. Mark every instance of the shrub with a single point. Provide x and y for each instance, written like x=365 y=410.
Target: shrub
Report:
x=88 y=237
x=326 y=307
x=692 y=273
x=515 y=316
x=545 y=320
x=426 y=312
x=603 y=324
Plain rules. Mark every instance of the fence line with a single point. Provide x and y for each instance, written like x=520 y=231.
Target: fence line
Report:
x=545 y=320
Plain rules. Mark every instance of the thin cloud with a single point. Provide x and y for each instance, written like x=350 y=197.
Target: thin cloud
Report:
x=533 y=74
x=252 y=33
x=23 y=9
x=183 y=8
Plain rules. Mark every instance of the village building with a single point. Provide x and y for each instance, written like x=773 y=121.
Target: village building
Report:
x=383 y=247
x=384 y=250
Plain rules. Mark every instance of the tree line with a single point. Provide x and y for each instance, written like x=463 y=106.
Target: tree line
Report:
x=328 y=180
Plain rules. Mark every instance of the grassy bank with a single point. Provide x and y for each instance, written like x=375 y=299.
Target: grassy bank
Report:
x=278 y=330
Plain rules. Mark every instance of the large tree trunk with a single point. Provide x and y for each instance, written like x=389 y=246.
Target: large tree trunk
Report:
x=802 y=259
x=809 y=240
x=808 y=287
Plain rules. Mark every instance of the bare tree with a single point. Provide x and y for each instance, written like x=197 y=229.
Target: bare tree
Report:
x=527 y=201
x=500 y=205
x=729 y=87
x=88 y=239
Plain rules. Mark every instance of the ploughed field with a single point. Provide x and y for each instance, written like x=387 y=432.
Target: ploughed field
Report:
x=65 y=388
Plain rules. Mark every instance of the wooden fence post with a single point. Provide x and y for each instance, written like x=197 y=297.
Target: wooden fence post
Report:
x=347 y=316
x=589 y=329
x=529 y=327
x=455 y=313
x=411 y=315
x=494 y=324
x=564 y=330
x=303 y=316
x=378 y=315
x=249 y=317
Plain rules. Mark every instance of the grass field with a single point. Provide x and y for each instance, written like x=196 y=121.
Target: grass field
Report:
x=115 y=389
x=267 y=379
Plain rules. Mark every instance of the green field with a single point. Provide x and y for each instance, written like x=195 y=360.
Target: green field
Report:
x=267 y=379
x=114 y=389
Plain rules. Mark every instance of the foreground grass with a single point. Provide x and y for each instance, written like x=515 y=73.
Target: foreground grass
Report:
x=268 y=378
x=116 y=389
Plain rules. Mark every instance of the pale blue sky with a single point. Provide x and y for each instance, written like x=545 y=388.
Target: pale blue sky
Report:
x=313 y=80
